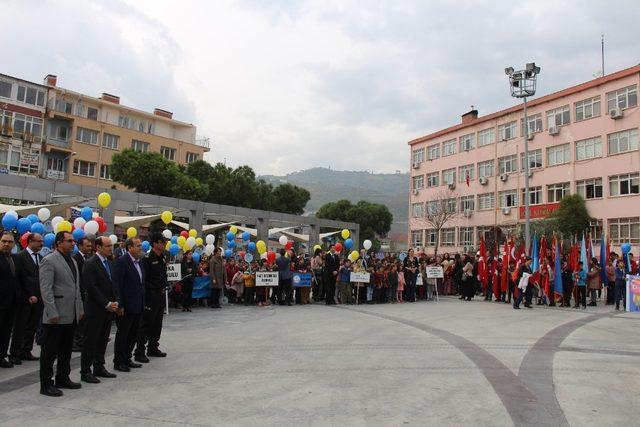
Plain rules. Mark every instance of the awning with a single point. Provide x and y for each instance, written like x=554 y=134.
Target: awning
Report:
x=304 y=238
x=134 y=221
x=180 y=224
x=210 y=228
x=54 y=208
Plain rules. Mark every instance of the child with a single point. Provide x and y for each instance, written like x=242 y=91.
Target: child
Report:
x=344 y=276
x=393 y=285
x=249 y=278
x=580 y=280
x=401 y=283
x=372 y=283
x=620 y=286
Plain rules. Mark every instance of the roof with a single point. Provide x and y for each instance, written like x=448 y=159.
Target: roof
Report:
x=23 y=80
x=552 y=96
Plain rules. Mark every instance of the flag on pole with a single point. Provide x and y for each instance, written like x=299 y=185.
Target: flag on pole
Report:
x=583 y=255
x=603 y=260
x=467 y=178
x=504 y=285
x=482 y=266
x=557 y=271
x=535 y=266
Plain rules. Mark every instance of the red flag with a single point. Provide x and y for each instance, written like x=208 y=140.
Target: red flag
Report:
x=504 y=285
x=482 y=266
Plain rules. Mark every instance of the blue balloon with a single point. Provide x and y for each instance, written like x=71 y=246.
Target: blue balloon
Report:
x=348 y=243
x=251 y=246
x=38 y=227
x=174 y=240
x=231 y=244
x=146 y=246
x=230 y=236
x=49 y=239
x=246 y=236
x=33 y=218
x=86 y=213
x=196 y=257
x=24 y=225
x=78 y=234
x=9 y=222
x=174 y=249
x=75 y=249
x=625 y=248
x=228 y=253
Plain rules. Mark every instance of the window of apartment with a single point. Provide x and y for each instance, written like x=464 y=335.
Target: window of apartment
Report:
x=449 y=148
x=27 y=124
x=589 y=148
x=485 y=169
x=559 y=117
x=30 y=95
x=622 y=98
x=92 y=113
x=170 y=153
x=87 y=136
x=588 y=108
x=624 y=230
x=82 y=168
x=431 y=236
x=449 y=176
x=451 y=205
x=621 y=142
x=418 y=156
x=558 y=155
x=508 y=199
x=507 y=164
x=535 y=196
x=465 y=236
x=433 y=179
x=418 y=182
x=105 y=172
x=64 y=106
x=448 y=236
x=432 y=208
x=556 y=192
x=416 y=238
x=535 y=124
x=467 y=203
x=110 y=141
x=5 y=89
x=139 y=146
x=467 y=142
x=192 y=157
x=590 y=188
x=417 y=210
x=486 y=137
x=623 y=185
x=507 y=131
x=595 y=227
x=433 y=152
x=535 y=159
x=80 y=109
x=466 y=171
x=55 y=164
x=486 y=201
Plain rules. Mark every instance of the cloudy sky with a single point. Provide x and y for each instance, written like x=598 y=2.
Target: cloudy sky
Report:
x=286 y=85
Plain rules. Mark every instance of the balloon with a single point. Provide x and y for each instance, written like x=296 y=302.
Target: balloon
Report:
x=12 y=213
x=625 y=248
x=75 y=249
x=263 y=256
x=166 y=217
x=167 y=247
x=241 y=254
x=86 y=213
x=191 y=241
x=231 y=236
x=228 y=253
x=94 y=215
x=283 y=240
x=345 y=234
x=79 y=222
x=65 y=226
x=104 y=199
x=199 y=241
x=146 y=246
x=113 y=238
x=174 y=249
x=246 y=236
x=181 y=241
x=38 y=227
x=261 y=246
x=167 y=234
x=251 y=246
x=338 y=247
x=184 y=233
x=78 y=234
x=271 y=257
x=355 y=255
x=90 y=236
x=174 y=240
x=367 y=244
x=44 y=214
x=316 y=247
x=102 y=226
x=193 y=233
x=231 y=244
x=233 y=229
x=210 y=239
x=289 y=245
x=91 y=227
x=33 y=218
x=196 y=257
x=49 y=239
x=55 y=221
x=348 y=244
x=248 y=257
x=9 y=221
x=23 y=239
x=24 y=225
x=131 y=232
x=208 y=250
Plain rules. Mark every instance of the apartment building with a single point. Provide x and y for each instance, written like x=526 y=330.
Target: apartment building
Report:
x=583 y=139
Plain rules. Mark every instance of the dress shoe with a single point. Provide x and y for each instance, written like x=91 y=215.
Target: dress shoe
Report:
x=29 y=356
x=103 y=373
x=141 y=358
x=4 y=363
x=15 y=360
x=131 y=364
x=89 y=378
x=50 y=390
x=67 y=383
x=156 y=353
x=122 y=368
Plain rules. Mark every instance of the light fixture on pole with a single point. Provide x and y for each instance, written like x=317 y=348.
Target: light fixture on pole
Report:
x=523 y=85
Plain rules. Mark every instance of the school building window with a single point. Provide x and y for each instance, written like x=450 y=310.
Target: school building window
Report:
x=624 y=230
x=590 y=188
x=623 y=185
x=622 y=142
x=622 y=98
x=587 y=109
x=556 y=192
x=589 y=148
x=82 y=168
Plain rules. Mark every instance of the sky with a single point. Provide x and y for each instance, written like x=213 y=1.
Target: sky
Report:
x=288 y=85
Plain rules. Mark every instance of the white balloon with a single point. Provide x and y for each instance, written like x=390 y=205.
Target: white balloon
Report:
x=95 y=215
x=209 y=249
x=167 y=234
x=283 y=240
x=191 y=241
x=210 y=239
x=12 y=213
x=44 y=214
x=263 y=255
x=91 y=227
x=367 y=244
x=113 y=238
x=79 y=222
x=54 y=221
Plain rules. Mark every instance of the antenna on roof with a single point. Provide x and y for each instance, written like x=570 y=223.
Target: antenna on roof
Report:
x=602 y=51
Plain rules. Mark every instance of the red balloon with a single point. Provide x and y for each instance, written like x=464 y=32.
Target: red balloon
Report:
x=184 y=234
x=23 y=239
x=289 y=245
x=339 y=247
x=271 y=257
x=241 y=254
x=102 y=226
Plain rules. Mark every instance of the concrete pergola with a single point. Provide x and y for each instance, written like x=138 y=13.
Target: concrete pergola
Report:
x=48 y=191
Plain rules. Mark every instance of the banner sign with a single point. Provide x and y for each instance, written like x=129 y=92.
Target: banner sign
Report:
x=540 y=211
x=201 y=287
x=633 y=293
x=301 y=279
x=267 y=278
x=360 y=277
x=174 y=272
x=435 y=273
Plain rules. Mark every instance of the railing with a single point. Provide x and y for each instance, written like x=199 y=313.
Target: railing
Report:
x=202 y=141
x=64 y=143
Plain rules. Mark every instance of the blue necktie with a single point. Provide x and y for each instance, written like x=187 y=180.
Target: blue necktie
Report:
x=106 y=267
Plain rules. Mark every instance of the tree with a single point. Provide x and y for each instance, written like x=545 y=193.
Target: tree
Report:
x=439 y=211
x=572 y=217
x=290 y=198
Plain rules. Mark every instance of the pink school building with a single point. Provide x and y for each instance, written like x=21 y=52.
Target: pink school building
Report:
x=583 y=139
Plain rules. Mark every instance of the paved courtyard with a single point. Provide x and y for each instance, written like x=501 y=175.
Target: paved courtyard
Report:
x=446 y=363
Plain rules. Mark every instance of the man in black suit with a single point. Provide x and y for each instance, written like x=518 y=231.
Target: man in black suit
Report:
x=129 y=276
x=85 y=249
x=331 y=267
x=101 y=303
x=29 y=307
x=9 y=289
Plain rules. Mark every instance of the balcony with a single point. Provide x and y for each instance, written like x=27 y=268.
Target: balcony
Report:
x=202 y=141
x=59 y=142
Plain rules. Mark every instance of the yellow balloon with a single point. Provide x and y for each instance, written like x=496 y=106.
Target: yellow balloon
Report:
x=261 y=247
x=104 y=199
x=168 y=245
x=345 y=234
x=132 y=232
x=186 y=247
x=181 y=241
x=233 y=229
x=199 y=241
x=63 y=225
x=355 y=255
x=166 y=217
x=316 y=247
x=193 y=233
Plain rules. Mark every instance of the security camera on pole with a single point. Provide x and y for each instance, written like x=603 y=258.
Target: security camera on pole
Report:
x=523 y=84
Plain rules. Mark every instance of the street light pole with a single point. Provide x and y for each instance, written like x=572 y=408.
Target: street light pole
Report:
x=527 y=211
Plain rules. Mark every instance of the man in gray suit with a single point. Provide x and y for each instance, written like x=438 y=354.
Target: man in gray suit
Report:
x=60 y=289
